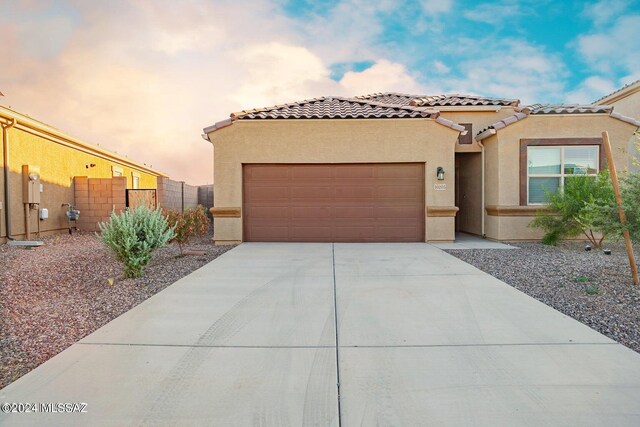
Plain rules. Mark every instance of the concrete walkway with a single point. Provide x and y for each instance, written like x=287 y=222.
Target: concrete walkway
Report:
x=423 y=339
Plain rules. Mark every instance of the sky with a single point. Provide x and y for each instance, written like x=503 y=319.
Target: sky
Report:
x=143 y=77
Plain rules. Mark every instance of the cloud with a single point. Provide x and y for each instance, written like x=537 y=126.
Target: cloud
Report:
x=434 y=7
x=604 y=11
x=383 y=76
x=614 y=48
x=511 y=69
x=591 y=89
x=441 y=67
x=493 y=13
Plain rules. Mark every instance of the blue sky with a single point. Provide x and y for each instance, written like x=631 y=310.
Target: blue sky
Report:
x=144 y=77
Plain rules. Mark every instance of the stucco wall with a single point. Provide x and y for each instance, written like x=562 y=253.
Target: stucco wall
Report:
x=480 y=121
x=332 y=141
x=58 y=165
x=503 y=163
x=628 y=106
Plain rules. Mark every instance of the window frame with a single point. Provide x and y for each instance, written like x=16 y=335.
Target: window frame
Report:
x=116 y=170
x=135 y=176
x=551 y=142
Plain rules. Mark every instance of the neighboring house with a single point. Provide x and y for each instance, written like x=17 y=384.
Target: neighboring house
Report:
x=46 y=169
x=626 y=101
x=395 y=167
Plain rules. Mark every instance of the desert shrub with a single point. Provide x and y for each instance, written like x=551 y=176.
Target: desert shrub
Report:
x=568 y=213
x=192 y=222
x=133 y=235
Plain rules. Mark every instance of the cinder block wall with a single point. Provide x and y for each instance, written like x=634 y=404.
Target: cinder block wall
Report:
x=176 y=195
x=205 y=196
x=96 y=198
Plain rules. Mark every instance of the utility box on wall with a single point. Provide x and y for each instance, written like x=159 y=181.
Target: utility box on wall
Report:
x=30 y=184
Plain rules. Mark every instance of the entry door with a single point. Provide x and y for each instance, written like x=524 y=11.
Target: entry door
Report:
x=382 y=202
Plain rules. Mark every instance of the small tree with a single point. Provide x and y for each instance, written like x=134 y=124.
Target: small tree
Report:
x=133 y=235
x=568 y=215
x=192 y=222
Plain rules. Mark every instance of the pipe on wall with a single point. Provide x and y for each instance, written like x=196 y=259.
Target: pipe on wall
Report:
x=5 y=164
x=482 y=190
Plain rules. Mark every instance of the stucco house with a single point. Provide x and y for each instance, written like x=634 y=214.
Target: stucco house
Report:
x=44 y=169
x=397 y=167
x=626 y=100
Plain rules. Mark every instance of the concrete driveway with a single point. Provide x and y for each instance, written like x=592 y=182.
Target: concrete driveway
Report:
x=422 y=339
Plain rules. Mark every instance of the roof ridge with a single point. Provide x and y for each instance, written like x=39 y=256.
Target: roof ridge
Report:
x=371 y=95
x=616 y=91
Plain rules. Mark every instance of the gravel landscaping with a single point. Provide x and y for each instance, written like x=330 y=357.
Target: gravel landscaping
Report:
x=593 y=288
x=56 y=294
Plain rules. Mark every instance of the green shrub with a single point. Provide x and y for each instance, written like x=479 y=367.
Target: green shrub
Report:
x=605 y=213
x=592 y=289
x=192 y=222
x=569 y=214
x=133 y=235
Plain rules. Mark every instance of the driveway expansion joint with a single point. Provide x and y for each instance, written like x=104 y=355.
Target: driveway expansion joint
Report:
x=480 y=345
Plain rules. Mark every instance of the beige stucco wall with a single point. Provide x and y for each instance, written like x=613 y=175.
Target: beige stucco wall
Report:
x=333 y=141
x=629 y=105
x=503 y=162
x=480 y=120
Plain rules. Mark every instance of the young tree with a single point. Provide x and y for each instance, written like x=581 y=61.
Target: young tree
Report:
x=568 y=215
x=192 y=222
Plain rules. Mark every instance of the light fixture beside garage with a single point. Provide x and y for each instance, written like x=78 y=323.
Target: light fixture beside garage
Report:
x=440 y=173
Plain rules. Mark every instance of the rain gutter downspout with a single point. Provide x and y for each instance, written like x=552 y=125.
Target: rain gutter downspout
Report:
x=5 y=166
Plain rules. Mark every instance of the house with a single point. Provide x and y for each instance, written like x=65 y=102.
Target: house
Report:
x=396 y=167
x=44 y=169
x=626 y=101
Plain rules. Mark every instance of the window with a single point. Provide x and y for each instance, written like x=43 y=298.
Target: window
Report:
x=135 y=179
x=116 y=171
x=549 y=166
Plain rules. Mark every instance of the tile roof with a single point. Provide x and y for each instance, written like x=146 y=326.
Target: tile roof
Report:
x=619 y=91
x=335 y=108
x=450 y=100
x=392 y=98
x=454 y=100
x=538 y=109
x=570 y=109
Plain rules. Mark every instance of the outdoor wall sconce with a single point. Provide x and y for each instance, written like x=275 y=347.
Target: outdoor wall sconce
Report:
x=440 y=173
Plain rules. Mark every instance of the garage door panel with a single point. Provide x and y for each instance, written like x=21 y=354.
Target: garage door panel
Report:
x=401 y=171
x=355 y=192
x=268 y=211
x=313 y=172
x=335 y=202
x=311 y=192
x=351 y=172
x=268 y=193
x=305 y=213
x=267 y=172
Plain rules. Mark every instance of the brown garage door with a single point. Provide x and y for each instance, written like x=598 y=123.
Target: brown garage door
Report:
x=334 y=202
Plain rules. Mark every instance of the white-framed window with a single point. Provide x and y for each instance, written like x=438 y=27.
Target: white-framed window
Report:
x=135 y=180
x=549 y=166
x=117 y=171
